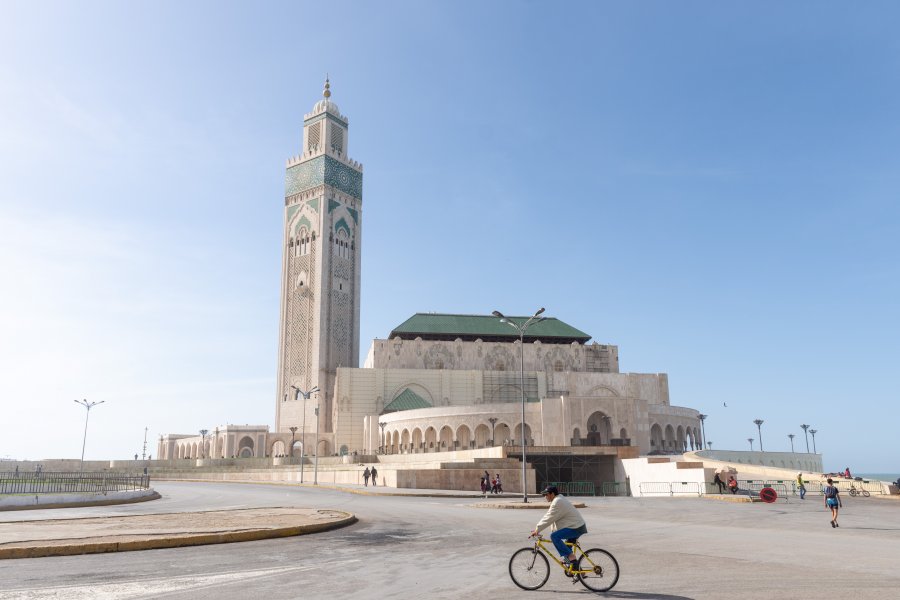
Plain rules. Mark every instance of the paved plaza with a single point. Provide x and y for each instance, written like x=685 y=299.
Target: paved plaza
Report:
x=446 y=547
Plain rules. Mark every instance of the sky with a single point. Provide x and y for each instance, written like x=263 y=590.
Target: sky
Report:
x=712 y=187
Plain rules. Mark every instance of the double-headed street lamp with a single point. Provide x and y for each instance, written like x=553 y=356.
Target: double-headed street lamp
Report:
x=751 y=443
x=805 y=427
x=383 y=442
x=521 y=329
x=791 y=436
x=88 y=406
x=759 y=423
x=203 y=433
x=814 y=432
x=306 y=396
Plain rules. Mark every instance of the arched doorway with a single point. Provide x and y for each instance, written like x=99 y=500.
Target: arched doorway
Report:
x=501 y=434
x=482 y=435
x=599 y=429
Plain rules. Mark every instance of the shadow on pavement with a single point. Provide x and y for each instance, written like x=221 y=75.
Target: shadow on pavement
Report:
x=622 y=594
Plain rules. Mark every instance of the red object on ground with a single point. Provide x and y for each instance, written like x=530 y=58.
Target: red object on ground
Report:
x=768 y=495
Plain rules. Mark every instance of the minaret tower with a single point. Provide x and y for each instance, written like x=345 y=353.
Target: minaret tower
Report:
x=320 y=271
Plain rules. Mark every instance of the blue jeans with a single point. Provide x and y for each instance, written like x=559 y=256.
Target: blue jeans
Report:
x=802 y=492
x=566 y=533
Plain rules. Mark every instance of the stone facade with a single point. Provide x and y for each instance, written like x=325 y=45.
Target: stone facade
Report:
x=437 y=393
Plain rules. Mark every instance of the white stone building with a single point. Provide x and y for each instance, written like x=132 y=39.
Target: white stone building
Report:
x=439 y=382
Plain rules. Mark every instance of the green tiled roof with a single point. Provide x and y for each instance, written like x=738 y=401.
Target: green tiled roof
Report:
x=407 y=400
x=434 y=326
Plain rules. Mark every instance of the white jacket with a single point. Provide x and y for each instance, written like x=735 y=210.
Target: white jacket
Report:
x=561 y=514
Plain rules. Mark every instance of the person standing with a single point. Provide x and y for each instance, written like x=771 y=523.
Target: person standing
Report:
x=484 y=488
x=832 y=501
x=374 y=476
x=366 y=474
x=567 y=522
x=800 y=487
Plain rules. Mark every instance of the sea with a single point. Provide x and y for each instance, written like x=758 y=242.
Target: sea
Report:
x=878 y=476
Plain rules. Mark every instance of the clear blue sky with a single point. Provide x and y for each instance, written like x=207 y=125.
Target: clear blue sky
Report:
x=712 y=187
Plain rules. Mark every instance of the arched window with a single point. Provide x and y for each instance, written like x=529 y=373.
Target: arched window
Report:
x=558 y=366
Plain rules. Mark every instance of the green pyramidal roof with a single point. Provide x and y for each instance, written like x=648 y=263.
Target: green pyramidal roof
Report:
x=435 y=326
x=407 y=400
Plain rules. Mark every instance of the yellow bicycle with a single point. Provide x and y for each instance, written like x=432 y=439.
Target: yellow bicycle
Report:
x=596 y=569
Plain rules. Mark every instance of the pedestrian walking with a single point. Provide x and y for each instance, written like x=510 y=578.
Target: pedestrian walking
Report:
x=800 y=487
x=832 y=501
x=374 y=476
x=733 y=484
x=366 y=474
x=484 y=487
x=499 y=484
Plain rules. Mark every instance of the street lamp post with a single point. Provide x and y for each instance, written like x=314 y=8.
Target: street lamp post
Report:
x=88 y=406
x=316 y=465
x=492 y=421
x=702 y=418
x=383 y=442
x=521 y=329
x=293 y=429
x=216 y=444
x=751 y=443
x=203 y=433
x=805 y=427
x=305 y=395
x=814 y=432
x=709 y=445
x=791 y=436
x=759 y=423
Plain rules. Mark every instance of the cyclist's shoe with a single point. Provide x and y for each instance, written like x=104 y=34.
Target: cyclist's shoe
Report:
x=568 y=567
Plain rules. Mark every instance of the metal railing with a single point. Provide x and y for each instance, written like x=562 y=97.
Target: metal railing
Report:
x=613 y=488
x=60 y=483
x=574 y=488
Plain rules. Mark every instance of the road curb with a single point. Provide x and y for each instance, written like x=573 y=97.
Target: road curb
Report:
x=202 y=539
x=154 y=495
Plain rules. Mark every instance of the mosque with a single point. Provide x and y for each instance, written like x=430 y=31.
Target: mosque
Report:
x=437 y=383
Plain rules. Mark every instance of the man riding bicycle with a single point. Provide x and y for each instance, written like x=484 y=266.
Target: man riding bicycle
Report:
x=565 y=519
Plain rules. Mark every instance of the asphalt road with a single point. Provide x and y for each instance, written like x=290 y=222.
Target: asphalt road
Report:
x=443 y=548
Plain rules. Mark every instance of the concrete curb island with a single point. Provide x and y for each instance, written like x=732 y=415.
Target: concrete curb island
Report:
x=75 y=500
x=62 y=537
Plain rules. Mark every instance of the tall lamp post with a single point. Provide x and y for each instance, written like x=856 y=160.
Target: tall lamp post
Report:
x=306 y=396
x=814 y=432
x=759 y=423
x=791 y=436
x=88 y=406
x=702 y=418
x=521 y=329
x=804 y=427
x=316 y=464
x=383 y=443
x=751 y=443
x=709 y=445
x=492 y=421
x=203 y=433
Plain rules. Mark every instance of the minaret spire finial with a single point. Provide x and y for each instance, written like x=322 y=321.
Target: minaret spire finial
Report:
x=327 y=91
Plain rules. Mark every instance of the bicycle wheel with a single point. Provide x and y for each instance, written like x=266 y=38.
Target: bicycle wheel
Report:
x=853 y=492
x=866 y=493
x=602 y=570
x=529 y=568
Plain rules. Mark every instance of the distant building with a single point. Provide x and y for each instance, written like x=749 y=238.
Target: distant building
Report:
x=439 y=382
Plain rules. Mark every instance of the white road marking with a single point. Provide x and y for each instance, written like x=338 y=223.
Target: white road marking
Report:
x=144 y=588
